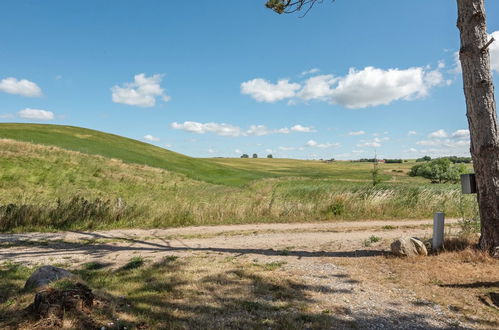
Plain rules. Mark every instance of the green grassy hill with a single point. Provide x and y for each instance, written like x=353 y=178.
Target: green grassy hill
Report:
x=102 y=182
x=128 y=150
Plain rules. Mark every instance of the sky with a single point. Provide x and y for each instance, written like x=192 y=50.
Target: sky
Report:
x=219 y=78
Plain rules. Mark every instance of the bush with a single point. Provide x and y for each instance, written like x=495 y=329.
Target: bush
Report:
x=439 y=171
x=393 y=161
x=423 y=159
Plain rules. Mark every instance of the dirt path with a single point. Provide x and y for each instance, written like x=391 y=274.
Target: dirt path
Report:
x=116 y=247
x=314 y=253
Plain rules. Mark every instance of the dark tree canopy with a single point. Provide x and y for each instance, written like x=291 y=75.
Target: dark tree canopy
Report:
x=290 y=6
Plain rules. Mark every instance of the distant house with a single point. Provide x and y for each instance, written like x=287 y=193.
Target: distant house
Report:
x=381 y=161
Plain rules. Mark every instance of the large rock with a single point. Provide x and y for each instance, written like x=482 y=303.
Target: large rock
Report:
x=45 y=275
x=409 y=247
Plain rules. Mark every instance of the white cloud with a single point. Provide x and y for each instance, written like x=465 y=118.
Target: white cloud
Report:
x=36 y=114
x=286 y=148
x=232 y=130
x=356 y=133
x=6 y=116
x=374 y=143
x=438 y=134
x=358 y=89
x=372 y=86
x=211 y=151
x=461 y=134
x=412 y=133
x=151 y=138
x=200 y=128
x=258 y=130
x=20 y=87
x=371 y=144
x=168 y=145
x=318 y=88
x=268 y=151
x=311 y=71
x=264 y=91
x=303 y=129
x=444 y=145
x=315 y=144
x=142 y=92
x=238 y=151
x=494 y=52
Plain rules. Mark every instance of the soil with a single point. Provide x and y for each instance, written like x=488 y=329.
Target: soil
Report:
x=327 y=255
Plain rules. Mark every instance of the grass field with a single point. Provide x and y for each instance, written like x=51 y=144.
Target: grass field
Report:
x=46 y=187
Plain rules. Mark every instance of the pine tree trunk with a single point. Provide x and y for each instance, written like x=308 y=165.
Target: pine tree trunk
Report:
x=482 y=119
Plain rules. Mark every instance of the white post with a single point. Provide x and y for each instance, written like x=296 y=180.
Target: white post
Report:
x=438 y=231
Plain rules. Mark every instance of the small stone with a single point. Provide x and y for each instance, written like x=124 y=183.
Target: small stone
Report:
x=408 y=247
x=45 y=275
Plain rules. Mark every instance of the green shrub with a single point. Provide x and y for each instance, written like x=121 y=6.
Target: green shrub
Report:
x=439 y=170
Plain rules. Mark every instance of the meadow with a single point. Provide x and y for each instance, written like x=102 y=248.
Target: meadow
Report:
x=63 y=179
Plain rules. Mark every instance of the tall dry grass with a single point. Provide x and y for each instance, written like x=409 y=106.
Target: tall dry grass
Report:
x=47 y=188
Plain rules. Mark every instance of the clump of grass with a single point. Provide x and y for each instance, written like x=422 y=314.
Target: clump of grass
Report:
x=388 y=227
x=271 y=266
x=93 y=265
x=372 y=239
x=134 y=262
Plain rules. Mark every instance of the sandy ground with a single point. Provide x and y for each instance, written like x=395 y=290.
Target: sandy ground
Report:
x=312 y=253
x=116 y=247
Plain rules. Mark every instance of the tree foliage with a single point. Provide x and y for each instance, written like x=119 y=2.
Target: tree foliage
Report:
x=439 y=170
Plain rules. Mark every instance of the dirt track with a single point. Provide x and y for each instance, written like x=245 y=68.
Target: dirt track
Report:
x=116 y=247
x=324 y=255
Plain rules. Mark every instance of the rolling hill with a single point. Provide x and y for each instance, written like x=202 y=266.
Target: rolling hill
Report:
x=128 y=150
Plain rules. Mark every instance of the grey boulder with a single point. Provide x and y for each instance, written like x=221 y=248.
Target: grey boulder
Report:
x=45 y=275
x=408 y=247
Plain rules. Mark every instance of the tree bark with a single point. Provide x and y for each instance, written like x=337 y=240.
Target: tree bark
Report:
x=482 y=118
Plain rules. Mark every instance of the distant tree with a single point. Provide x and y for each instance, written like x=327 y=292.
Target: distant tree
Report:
x=244 y=156
x=255 y=156
x=376 y=178
x=392 y=161
x=423 y=159
x=270 y=156
x=439 y=170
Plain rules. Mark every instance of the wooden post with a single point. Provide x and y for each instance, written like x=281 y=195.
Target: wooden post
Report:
x=438 y=231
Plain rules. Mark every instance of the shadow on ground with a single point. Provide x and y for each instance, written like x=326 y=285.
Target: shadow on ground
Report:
x=172 y=294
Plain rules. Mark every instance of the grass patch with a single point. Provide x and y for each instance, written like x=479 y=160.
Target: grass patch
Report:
x=372 y=239
x=135 y=262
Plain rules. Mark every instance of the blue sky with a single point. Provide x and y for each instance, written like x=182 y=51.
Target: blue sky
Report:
x=207 y=79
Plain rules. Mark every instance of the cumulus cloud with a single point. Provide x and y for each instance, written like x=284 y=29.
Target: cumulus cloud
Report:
x=315 y=144
x=318 y=88
x=142 y=92
x=443 y=144
x=356 y=133
x=286 y=148
x=372 y=86
x=461 y=134
x=264 y=91
x=358 y=89
x=232 y=130
x=412 y=133
x=21 y=87
x=374 y=143
x=36 y=114
x=303 y=129
x=200 y=128
x=438 y=134
x=151 y=138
